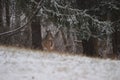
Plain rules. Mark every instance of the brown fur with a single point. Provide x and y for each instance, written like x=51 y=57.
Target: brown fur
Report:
x=47 y=42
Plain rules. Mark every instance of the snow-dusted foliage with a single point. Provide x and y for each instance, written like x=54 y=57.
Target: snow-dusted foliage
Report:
x=24 y=64
x=65 y=13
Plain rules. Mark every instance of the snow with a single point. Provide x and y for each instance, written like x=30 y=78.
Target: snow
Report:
x=25 y=64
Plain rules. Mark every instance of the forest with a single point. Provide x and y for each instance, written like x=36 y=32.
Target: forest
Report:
x=86 y=27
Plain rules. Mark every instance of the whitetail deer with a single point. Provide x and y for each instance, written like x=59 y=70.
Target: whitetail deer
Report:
x=47 y=42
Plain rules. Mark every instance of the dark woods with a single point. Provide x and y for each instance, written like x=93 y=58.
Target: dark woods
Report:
x=88 y=27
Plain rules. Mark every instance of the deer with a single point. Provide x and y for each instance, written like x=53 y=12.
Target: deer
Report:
x=47 y=42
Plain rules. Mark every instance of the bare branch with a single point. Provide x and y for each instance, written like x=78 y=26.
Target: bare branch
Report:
x=39 y=5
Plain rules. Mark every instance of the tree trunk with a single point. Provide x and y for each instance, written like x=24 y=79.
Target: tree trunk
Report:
x=116 y=43
x=14 y=23
x=1 y=22
x=36 y=33
x=115 y=16
x=1 y=9
x=7 y=3
x=3 y=27
x=90 y=47
x=7 y=19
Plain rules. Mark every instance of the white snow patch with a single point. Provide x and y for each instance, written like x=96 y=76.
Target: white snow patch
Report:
x=21 y=64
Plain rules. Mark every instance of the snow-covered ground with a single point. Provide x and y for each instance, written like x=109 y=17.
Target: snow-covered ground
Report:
x=21 y=64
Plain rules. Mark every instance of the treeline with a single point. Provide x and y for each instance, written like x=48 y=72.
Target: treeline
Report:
x=90 y=27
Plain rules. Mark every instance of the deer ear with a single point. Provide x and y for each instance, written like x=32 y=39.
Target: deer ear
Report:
x=47 y=30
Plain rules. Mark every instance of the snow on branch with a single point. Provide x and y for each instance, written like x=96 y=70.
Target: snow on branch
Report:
x=77 y=11
x=66 y=14
x=112 y=5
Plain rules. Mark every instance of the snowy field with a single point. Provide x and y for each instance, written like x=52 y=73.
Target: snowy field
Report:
x=21 y=64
